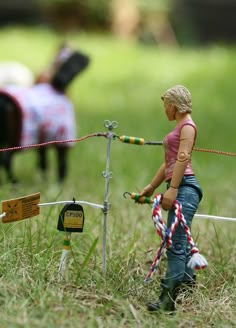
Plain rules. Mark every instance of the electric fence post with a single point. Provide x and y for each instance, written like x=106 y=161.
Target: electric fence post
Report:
x=110 y=125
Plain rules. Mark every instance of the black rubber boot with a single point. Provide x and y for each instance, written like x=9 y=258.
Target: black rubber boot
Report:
x=166 y=302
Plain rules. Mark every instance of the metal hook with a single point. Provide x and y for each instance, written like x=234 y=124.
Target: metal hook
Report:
x=126 y=193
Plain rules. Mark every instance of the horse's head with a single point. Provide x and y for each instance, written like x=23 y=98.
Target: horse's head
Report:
x=67 y=64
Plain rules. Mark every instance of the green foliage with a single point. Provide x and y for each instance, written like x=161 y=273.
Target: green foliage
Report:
x=90 y=12
x=153 y=5
x=124 y=82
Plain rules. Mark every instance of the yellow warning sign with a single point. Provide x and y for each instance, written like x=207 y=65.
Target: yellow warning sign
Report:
x=20 y=208
x=73 y=219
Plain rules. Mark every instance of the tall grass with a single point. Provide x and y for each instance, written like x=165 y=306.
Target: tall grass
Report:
x=124 y=83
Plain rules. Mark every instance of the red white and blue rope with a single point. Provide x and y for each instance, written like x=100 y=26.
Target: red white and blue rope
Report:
x=197 y=261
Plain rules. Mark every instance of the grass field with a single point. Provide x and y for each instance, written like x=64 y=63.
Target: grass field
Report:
x=124 y=83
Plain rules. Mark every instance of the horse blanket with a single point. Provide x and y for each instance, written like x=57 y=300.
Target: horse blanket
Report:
x=46 y=114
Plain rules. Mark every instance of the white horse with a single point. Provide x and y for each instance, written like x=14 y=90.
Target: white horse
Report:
x=14 y=73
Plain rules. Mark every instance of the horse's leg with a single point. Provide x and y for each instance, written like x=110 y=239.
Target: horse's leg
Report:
x=2 y=128
x=12 y=126
x=42 y=160
x=62 y=158
x=8 y=165
x=8 y=134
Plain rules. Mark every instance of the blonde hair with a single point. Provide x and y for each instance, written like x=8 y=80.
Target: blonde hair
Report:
x=180 y=97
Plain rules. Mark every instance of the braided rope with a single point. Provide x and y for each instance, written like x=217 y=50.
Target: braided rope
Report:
x=55 y=142
x=197 y=261
x=126 y=139
x=219 y=152
x=141 y=141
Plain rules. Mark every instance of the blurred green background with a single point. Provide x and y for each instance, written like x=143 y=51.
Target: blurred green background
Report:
x=136 y=54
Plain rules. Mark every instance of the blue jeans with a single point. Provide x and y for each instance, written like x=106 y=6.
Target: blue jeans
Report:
x=178 y=255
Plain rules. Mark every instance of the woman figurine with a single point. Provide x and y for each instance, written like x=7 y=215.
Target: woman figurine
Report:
x=182 y=186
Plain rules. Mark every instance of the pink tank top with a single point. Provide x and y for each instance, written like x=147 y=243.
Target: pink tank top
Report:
x=171 y=145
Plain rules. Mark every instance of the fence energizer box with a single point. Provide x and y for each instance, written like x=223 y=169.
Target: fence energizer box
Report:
x=71 y=218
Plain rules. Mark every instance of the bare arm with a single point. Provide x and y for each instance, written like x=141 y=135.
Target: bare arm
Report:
x=187 y=137
x=156 y=181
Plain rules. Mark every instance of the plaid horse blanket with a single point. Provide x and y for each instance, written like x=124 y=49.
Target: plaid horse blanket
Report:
x=46 y=114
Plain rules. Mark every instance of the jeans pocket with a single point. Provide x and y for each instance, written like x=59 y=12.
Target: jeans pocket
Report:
x=189 y=199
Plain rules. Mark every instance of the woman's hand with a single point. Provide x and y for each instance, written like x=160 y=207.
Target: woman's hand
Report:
x=148 y=190
x=168 y=198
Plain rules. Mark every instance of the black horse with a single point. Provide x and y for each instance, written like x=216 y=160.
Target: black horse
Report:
x=12 y=121
x=10 y=130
